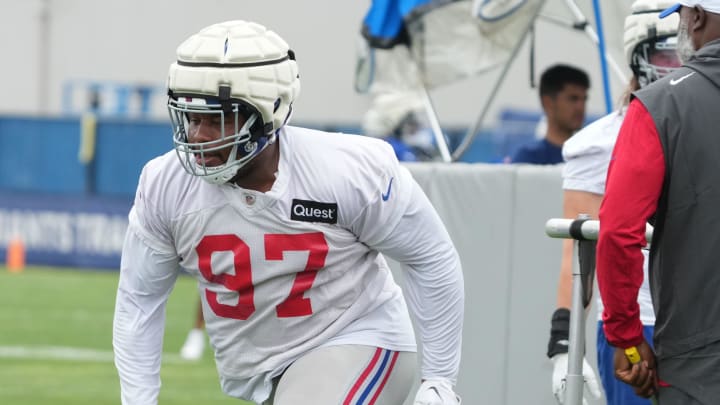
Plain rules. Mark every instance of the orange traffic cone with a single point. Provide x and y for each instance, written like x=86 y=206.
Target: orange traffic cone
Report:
x=16 y=256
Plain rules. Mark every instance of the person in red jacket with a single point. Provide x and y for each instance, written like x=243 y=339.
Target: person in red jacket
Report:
x=664 y=169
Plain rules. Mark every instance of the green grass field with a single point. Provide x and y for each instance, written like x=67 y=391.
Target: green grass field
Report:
x=56 y=341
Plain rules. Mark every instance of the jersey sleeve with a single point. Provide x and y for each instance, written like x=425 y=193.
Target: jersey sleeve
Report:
x=402 y=223
x=149 y=222
x=148 y=270
x=587 y=155
x=635 y=181
x=386 y=191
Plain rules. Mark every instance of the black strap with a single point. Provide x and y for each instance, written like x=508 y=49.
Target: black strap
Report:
x=559 y=332
x=576 y=229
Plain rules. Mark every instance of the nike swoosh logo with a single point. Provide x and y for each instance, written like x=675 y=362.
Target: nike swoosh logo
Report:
x=386 y=195
x=673 y=82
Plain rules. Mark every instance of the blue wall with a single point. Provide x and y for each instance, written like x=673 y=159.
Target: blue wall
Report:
x=68 y=213
x=41 y=155
x=73 y=214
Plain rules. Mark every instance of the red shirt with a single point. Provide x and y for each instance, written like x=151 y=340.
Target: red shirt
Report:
x=634 y=183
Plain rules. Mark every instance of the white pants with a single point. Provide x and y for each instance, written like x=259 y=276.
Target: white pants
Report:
x=346 y=375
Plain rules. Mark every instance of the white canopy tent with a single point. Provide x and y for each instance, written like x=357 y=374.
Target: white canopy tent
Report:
x=443 y=41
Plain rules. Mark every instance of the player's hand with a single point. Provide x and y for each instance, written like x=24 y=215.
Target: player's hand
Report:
x=436 y=391
x=642 y=376
x=560 y=370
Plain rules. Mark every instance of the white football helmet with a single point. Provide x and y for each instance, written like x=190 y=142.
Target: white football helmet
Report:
x=650 y=41
x=235 y=70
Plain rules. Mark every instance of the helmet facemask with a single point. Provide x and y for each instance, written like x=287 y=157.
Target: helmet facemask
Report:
x=244 y=141
x=649 y=41
x=655 y=58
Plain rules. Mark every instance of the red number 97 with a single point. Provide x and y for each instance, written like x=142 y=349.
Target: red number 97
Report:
x=241 y=282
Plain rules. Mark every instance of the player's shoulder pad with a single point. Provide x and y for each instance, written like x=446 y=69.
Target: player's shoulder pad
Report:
x=597 y=137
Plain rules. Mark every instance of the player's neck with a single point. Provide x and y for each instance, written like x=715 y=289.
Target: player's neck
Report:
x=557 y=136
x=259 y=174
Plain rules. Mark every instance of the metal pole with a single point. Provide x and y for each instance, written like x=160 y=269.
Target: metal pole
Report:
x=473 y=131
x=586 y=232
x=603 y=60
x=43 y=78
x=564 y=228
x=599 y=39
x=432 y=116
x=576 y=350
x=590 y=33
x=435 y=125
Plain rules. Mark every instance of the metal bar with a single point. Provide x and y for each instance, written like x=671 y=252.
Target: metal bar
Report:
x=435 y=126
x=576 y=350
x=44 y=63
x=590 y=229
x=590 y=33
x=432 y=116
x=599 y=39
x=603 y=60
x=575 y=381
x=473 y=131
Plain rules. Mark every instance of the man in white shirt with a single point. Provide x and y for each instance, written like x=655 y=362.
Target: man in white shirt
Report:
x=284 y=229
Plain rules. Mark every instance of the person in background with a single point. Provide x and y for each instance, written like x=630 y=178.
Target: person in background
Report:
x=563 y=95
x=194 y=345
x=399 y=118
x=649 y=44
x=664 y=169
x=285 y=230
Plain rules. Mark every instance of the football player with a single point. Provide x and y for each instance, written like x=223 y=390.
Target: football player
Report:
x=286 y=230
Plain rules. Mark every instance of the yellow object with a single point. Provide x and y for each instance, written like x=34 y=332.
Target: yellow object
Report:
x=633 y=355
x=15 y=256
x=88 y=131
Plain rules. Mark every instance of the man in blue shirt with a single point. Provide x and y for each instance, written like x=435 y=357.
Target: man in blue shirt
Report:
x=563 y=94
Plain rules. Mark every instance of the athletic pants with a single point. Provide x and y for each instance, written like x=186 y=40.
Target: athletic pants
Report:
x=346 y=375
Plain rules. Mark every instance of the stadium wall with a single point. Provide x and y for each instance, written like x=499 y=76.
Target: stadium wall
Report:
x=496 y=217
x=64 y=48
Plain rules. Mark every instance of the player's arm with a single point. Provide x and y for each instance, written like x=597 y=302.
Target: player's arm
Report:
x=586 y=155
x=434 y=284
x=407 y=228
x=399 y=221
x=575 y=202
x=434 y=290
x=634 y=184
x=147 y=276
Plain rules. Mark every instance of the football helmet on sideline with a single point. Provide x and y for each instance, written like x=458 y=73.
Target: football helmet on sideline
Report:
x=649 y=41
x=235 y=70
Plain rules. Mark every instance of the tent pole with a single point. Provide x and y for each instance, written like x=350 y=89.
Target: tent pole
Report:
x=473 y=131
x=616 y=68
x=603 y=60
x=599 y=39
x=432 y=116
x=435 y=125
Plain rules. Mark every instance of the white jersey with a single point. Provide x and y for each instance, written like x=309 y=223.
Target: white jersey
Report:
x=587 y=156
x=290 y=270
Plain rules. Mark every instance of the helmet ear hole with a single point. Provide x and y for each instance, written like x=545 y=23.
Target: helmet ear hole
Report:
x=257 y=130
